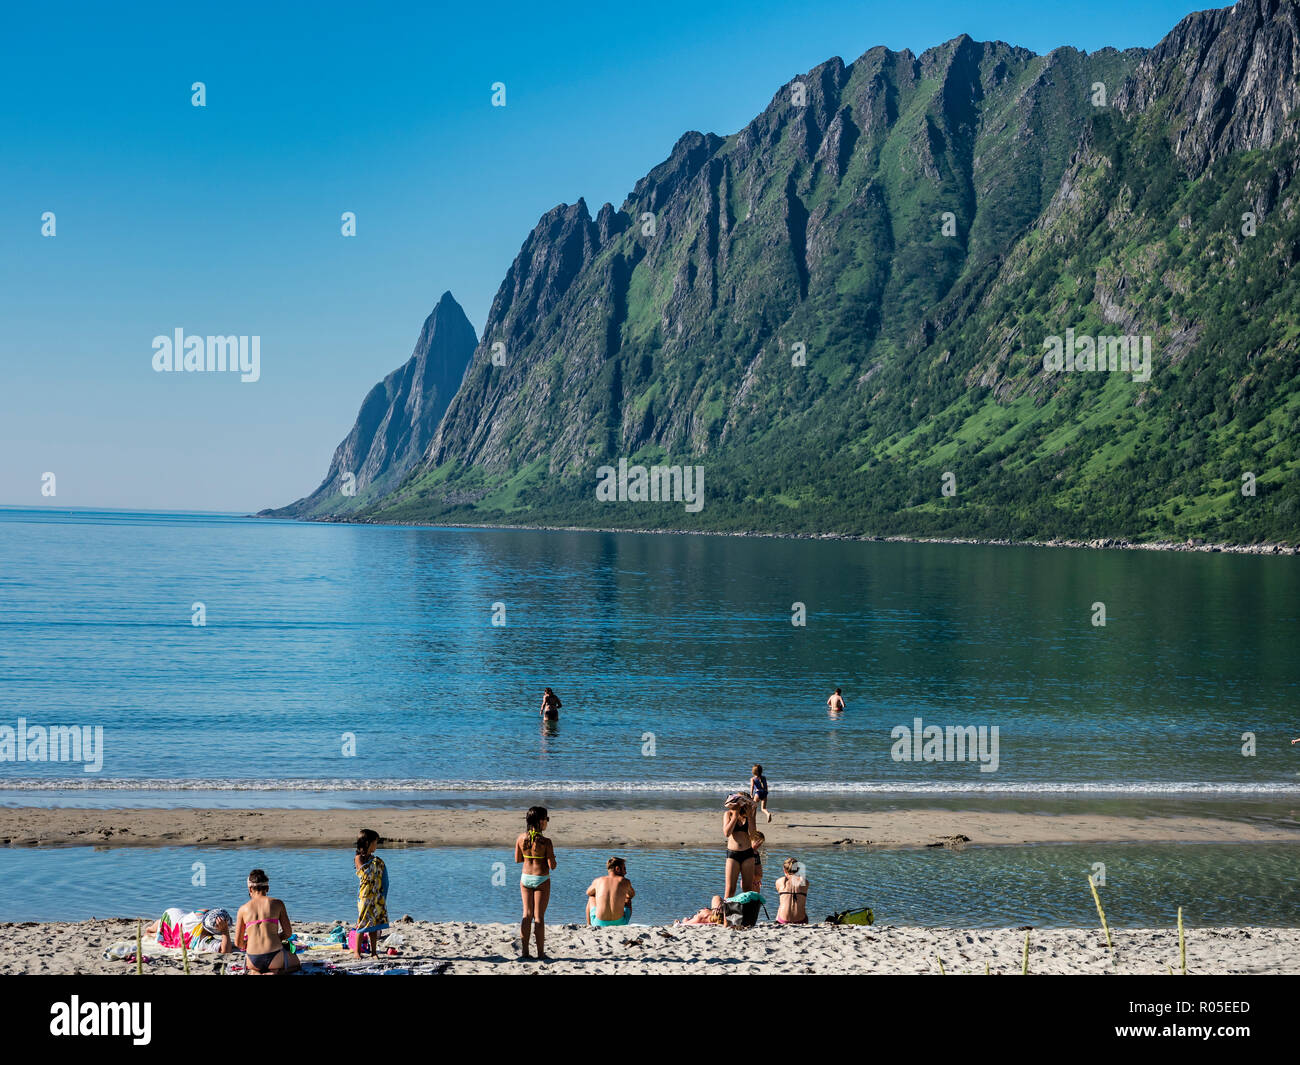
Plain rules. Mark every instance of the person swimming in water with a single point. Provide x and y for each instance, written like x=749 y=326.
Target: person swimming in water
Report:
x=610 y=897
x=551 y=705
x=537 y=854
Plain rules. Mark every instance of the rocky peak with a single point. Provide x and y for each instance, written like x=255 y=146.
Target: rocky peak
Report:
x=1226 y=79
x=563 y=242
x=397 y=419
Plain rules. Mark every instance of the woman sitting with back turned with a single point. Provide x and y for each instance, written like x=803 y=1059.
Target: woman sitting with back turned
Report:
x=793 y=890
x=262 y=929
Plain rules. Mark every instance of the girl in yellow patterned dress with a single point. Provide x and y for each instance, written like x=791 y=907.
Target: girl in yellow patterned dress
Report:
x=372 y=892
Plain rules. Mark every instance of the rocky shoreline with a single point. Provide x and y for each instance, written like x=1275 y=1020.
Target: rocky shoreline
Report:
x=1099 y=544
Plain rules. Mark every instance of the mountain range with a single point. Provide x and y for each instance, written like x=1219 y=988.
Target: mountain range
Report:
x=843 y=314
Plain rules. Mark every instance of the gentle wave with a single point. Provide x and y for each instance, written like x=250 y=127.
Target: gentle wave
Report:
x=649 y=787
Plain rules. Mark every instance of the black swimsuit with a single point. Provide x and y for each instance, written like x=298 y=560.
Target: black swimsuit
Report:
x=261 y=963
x=741 y=856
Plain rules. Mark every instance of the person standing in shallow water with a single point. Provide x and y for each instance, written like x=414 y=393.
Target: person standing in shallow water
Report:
x=836 y=702
x=551 y=705
x=537 y=854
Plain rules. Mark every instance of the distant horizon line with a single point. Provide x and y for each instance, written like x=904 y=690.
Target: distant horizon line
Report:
x=130 y=510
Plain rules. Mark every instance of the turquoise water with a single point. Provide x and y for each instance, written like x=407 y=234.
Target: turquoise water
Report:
x=674 y=655
x=1045 y=886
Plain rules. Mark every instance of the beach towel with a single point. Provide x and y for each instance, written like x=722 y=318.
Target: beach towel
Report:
x=372 y=900
x=370 y=967
x=170 y=927
x=197 y=929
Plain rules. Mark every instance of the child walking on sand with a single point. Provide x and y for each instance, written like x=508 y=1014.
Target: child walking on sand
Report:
x=372 y=891
x=758 y=789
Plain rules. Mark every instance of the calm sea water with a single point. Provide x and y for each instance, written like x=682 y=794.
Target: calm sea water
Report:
x=675 y=657
x=979 y=887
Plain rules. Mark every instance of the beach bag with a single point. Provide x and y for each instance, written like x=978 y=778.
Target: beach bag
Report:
x=352 y=941
x=862 y=916
x=746 y=906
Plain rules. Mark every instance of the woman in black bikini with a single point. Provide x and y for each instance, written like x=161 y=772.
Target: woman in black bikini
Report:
x=261 y=930
x=793 y=890
x=736 y=821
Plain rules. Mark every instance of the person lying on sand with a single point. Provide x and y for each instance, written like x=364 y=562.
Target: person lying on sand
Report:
x=610 y=897
x=714 y=913
x=793 y=890
x=205 y=931
x=262 y=929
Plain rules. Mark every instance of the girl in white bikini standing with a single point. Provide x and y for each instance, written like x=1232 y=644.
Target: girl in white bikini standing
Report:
x=537 y=854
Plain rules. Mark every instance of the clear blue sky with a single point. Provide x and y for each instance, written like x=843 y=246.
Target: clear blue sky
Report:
x=225 y=219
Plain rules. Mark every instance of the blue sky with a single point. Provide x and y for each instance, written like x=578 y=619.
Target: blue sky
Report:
x=225 y=219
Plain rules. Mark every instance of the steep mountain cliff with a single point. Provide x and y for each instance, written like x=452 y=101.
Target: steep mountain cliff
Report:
x=840 y=313
x=397 y=419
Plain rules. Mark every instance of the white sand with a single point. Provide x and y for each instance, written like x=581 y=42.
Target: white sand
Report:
x=76 y=947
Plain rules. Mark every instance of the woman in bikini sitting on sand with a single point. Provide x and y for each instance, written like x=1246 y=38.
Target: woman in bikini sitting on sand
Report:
x=736 y=822
x=793 y=890
x=538 y=856
x=261 y=930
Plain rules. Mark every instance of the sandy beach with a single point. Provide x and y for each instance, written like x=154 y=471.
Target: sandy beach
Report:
x=465 y=949
x=33 y=827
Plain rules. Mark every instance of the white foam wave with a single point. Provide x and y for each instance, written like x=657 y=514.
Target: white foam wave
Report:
x=294 y=784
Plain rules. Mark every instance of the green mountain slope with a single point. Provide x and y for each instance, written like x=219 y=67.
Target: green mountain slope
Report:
x=912 y=229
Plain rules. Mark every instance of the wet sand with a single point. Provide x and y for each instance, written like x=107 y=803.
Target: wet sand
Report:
x=39 y=827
